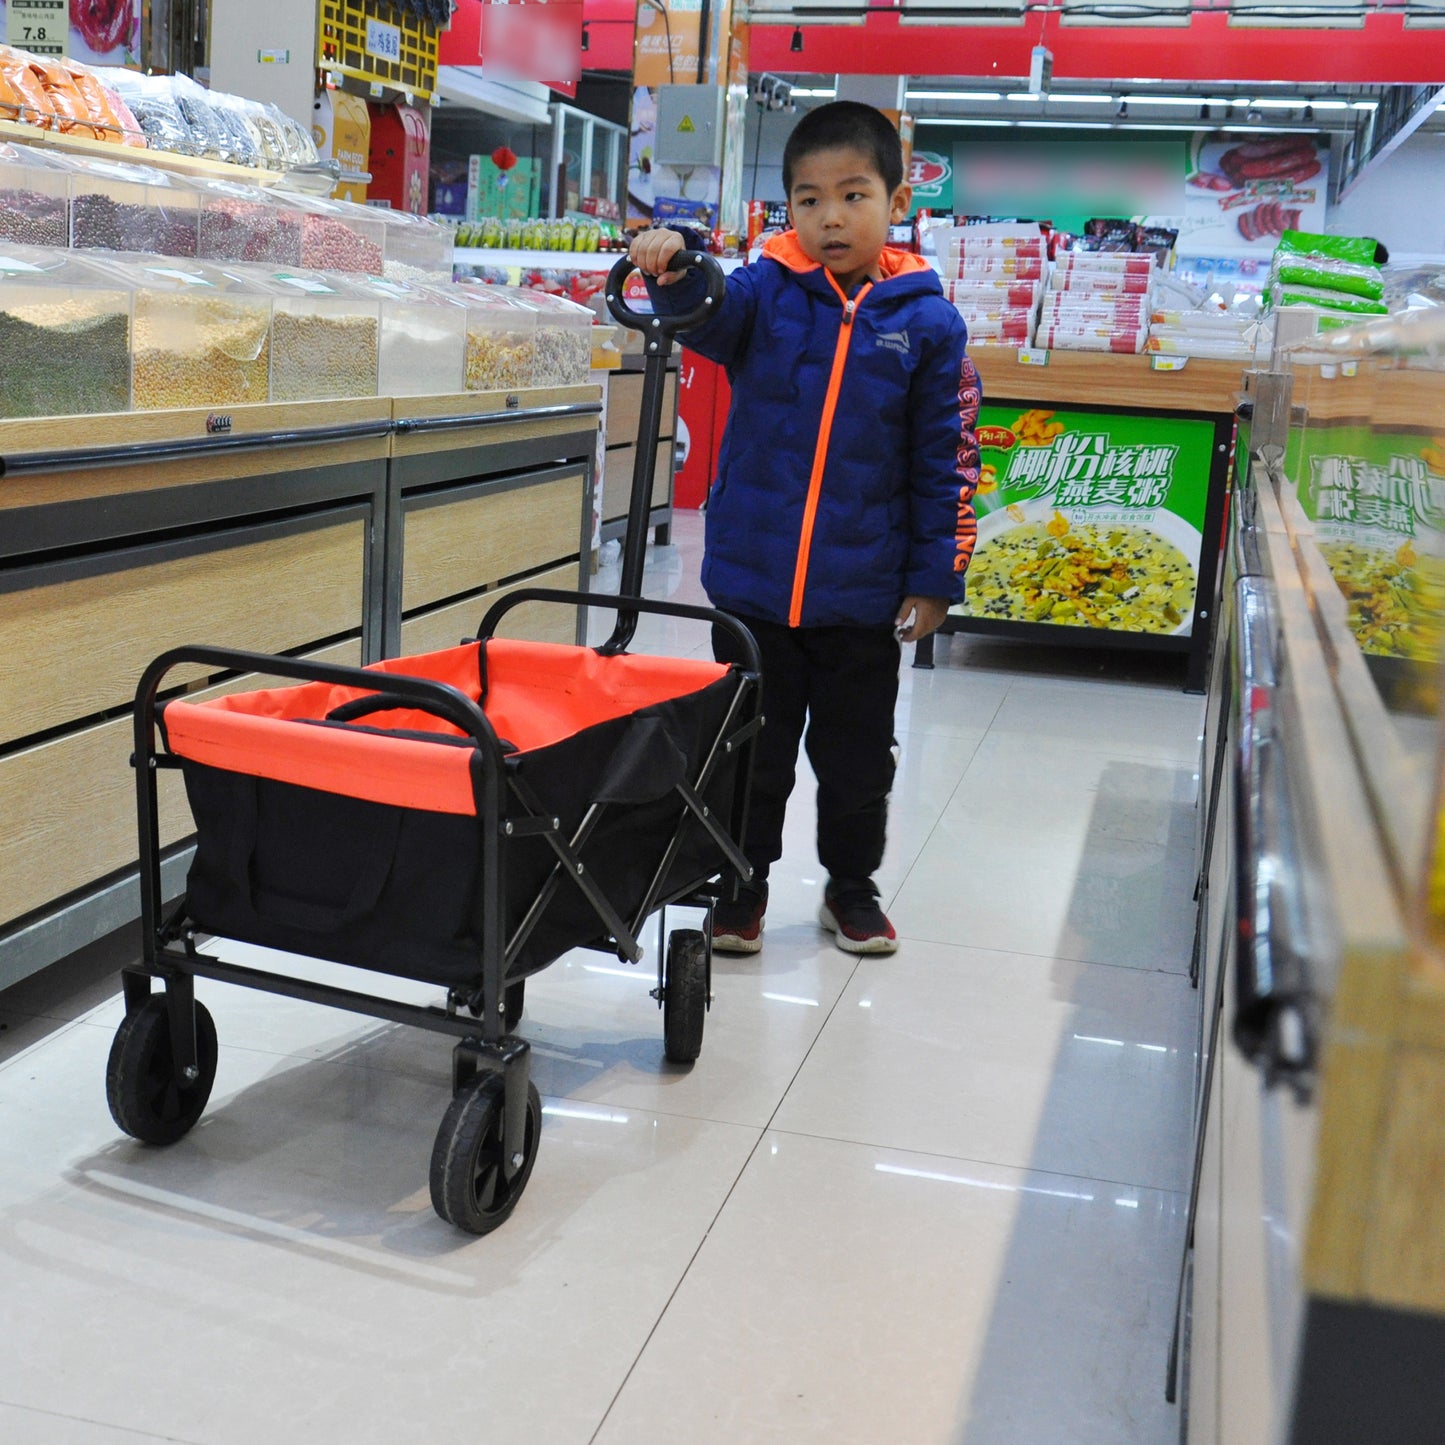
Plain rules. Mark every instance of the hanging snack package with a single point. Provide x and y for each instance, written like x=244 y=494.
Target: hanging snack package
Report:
x=152 y=107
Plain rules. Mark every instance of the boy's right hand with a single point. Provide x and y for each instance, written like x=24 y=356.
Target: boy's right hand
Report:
x=652 y=252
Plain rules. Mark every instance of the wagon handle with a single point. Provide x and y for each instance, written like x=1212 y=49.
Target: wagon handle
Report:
x=662 y=328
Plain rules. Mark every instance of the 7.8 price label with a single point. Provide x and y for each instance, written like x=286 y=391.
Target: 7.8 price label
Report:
x=39 y=26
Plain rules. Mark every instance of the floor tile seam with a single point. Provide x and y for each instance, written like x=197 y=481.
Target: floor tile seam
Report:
x=1055 y=830
x=100 y=1424
x=1181 y=1192
x=678 y=1284
x=1103 y=749
x=1181 y=972
x=65 y=1027
x=723 y=1204
x=588 y=1099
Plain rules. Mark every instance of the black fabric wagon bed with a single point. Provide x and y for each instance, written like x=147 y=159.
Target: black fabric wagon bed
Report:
x=362 y=840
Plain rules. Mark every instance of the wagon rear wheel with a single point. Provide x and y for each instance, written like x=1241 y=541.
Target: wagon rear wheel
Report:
x=469 y=1184
x=145 y=1098
x=684 y=996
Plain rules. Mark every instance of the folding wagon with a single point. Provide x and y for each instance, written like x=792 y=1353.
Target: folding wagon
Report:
x=461 y=818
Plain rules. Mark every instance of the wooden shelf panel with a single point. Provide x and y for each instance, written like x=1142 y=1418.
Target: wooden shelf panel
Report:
x=1096 y=378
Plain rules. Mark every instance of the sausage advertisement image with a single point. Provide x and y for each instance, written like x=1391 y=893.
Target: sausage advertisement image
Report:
x=1246 y=191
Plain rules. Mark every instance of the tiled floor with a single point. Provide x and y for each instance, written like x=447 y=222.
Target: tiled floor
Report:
x=932 y=1198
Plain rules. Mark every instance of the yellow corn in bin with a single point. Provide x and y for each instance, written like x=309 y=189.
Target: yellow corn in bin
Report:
x=200 y=336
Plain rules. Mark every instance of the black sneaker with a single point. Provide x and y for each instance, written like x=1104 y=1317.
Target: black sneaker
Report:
x=850 y=912
x=737 y=923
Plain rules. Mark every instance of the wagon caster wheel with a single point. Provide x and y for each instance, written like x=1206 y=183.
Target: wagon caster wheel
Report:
x=516 y=995
x=468 y=1185
x=684 y=997
x=140 y=1079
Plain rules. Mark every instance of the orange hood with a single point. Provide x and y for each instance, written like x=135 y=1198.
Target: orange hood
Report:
x=786 y=249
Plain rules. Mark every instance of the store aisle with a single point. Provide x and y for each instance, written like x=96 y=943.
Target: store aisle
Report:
x=930 y=1198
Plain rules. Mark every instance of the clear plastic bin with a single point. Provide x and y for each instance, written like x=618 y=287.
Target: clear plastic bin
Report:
x=120 y=205
x=65 y=334
x=423 y=338
x=501 y=337
x=336 y=236
x=564 y=339
x=34 y=199
x=325 y=335
x=243 y=223
x=200 y=334
x=415 y=248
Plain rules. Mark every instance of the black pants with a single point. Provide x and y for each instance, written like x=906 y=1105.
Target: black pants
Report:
x=834 y=688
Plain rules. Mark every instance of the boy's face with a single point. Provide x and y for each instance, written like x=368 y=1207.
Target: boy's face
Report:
x=841 y=211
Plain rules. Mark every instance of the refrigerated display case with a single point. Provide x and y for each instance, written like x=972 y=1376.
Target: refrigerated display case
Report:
x=1315 y=1282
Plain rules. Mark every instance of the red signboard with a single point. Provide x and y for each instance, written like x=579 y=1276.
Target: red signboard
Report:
x=517 y=40
x=1380 y=52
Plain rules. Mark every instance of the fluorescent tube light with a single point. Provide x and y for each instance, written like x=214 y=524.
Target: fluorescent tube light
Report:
x=1279 y=103
x=814 y=94
x=1164 y=99
x=1022 y=95
x=954 y=95
x=1066 y=124
x=1056 y=99
x=959 y=120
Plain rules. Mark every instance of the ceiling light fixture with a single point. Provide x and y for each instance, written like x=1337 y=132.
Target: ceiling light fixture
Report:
x=1055 y=98
x=804 y=94
x=1064 y=125
x=954 y=95
x=1282 y=102
x=796 y=45
x=1190 y=100
x=961 y=120
x=1123 y=112
x=1021 y=95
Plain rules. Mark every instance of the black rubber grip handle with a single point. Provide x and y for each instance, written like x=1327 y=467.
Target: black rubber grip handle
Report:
x=668 y=325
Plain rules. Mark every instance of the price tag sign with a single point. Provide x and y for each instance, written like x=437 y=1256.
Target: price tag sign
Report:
x=383 y=40
x=39 y=26
x=1033 y=356
x=184 y=276
x=1159 y=362
x=305 y=283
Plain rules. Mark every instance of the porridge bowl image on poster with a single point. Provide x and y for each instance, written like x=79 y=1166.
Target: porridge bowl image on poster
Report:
x=1089 y=520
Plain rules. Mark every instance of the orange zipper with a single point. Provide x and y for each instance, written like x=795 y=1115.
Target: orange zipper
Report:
x=820 y=455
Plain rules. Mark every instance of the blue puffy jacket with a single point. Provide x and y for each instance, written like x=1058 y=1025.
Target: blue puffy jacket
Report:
x=848 y=468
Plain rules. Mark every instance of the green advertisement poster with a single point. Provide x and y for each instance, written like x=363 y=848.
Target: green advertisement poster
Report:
x=1377 y=499
x=1089 y=519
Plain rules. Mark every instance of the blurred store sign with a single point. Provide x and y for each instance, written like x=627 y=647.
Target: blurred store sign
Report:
x=518 y=40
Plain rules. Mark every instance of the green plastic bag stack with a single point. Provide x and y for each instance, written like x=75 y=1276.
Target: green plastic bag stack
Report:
x=1332 y=273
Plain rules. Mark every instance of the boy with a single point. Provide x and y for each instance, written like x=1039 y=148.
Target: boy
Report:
x=841 y=520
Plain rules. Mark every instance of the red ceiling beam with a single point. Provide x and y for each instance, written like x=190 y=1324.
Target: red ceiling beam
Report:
x=1382 y=52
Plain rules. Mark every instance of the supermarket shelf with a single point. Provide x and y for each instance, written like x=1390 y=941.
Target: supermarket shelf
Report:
x=553 y=260
x=109 y=150
x=534 y=260
x=1105 y=379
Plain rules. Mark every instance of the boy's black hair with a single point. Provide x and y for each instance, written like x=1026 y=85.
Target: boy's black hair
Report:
x=851 y=124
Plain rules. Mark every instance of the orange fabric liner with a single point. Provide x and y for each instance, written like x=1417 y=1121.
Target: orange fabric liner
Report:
x=538 y=694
